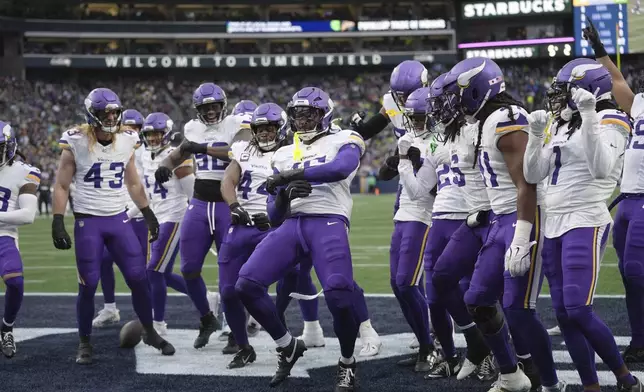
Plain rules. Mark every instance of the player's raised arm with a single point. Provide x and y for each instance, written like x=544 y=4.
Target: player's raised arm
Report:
x=621 y=91
x=64 y=176
x=137 y=193
x=536 y=161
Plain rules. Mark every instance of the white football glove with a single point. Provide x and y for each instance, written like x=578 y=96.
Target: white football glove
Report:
x=538 y=121
x=585 y=100
x=517 y=257
x=404 y=143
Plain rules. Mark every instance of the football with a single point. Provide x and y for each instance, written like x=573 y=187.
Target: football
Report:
x=130 y=334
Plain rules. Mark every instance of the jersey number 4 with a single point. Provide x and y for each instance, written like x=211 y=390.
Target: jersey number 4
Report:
x=245 y=188
x=158 y=188
x=94 y=175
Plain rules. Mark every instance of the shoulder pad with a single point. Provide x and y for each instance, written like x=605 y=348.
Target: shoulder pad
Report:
x=501 y=122
x=616 y=118
x=637 y=109
x=32 y=173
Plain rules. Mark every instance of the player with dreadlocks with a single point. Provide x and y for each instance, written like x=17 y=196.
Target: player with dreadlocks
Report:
x=474 y=90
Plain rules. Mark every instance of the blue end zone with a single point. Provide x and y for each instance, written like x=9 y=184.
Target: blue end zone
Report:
x=47 y=343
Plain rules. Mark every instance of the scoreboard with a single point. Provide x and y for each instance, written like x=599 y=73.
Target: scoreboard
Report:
x=611 y=20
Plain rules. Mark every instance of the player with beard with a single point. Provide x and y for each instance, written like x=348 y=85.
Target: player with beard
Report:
x=99 y=158
x=18 y=184
x=582 y=159
x=170 y=201
x=315 y=226
x=131 y=119
x=628 y=231
x=474 y=90
x=208 y=216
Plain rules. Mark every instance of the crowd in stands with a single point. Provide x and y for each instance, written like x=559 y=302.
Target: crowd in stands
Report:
x=40 y=110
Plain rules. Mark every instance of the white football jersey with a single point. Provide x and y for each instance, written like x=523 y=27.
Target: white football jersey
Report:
x=463 y=160
x=394 y=113
x=327 y=198
x=500 y=189
x=168 y=201
x=633 y=175
x=420 y=209
x=139 y=169
x=100 y=170
x=573 y=197
x=450 y=200
x=12 y=178
x=255 y=169
x=218 y=135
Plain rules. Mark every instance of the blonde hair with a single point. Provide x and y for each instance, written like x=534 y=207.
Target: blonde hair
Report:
x=88 y=131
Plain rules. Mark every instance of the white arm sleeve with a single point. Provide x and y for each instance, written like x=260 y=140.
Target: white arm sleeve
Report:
x=603 y=145
x=132 y=212
x=419 y=184
x=25 y=214
x=187 y=185
x=536 y=160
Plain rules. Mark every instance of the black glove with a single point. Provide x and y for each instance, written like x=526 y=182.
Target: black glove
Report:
x=176 y=139
x=162 y=174
x=591 y=35
x=188 y=147
x=283 y=178
x=152 y=223
x=298 y=189
x=59 y=234
x=392 y=162
x=239 y=216
x=414 y=156
x=261 y=221
x=357 y=119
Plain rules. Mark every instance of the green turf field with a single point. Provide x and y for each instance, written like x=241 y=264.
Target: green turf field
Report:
x=50 y=270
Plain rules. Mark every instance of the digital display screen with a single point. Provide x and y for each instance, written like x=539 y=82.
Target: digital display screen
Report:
x=611 y=21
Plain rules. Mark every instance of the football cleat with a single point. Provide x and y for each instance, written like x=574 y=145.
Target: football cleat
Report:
x=106 y=317
x=371 y=343
x=487 y=370
x=242 y=357
x=152 y=338
x=223 y=336
x=512 y=382
x=530 y=370
x=252 y=327
x=637 y=387
x=345 y=379
x=208 y=325
x=414 y=343
x=231 y=346
x=633 y=354
x=84 y=354
x=8 y=344
x=286 y=358
x=445 y=368
x=161 y=327
x=554 y=331
x=423 y=361
x=560 y=387
x=313 y=336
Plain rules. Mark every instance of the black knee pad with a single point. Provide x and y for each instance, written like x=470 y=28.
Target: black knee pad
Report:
x=489 y=319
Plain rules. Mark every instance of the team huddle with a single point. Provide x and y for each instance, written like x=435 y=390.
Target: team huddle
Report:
x=491 y=199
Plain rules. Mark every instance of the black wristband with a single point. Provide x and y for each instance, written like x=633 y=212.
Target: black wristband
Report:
x=373 y=126
x=234 y=205
x=60 y=217
x=147 y=212
x=599 y=50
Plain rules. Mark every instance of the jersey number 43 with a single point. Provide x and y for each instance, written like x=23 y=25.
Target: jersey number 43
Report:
x=94 y=174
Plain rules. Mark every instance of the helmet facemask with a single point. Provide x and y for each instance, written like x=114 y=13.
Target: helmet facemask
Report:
x=306 y=121
x=211 y=113
x=108 y=120
x=266 y=135
x=558 y=96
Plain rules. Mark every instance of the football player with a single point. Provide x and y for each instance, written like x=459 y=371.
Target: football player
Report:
x=18 y=185
x=316 y=226
x=170 y=200
x=99 y=157
x=474 y=90
x=208 y=216
x=582 y=157
x=133 y=120
x=628 y=231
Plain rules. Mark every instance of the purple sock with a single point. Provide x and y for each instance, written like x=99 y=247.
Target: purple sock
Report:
x=453 y=302
x=443 y=329
x=159 y=291
x=627 y=379
x=360 y=304
x=583 y=356
x=141 y=300
x=108 y=281
x=499 y=343
x=530 y=330
x=634 y=287
x=309 y=309
x=196 y=290
x=235 y=314
x=259 y=304
x=404 y=307
x=521 y=346
x=176 y=282
x=85 y=309
x=418 y=312
x=346 y=325
x=284 y=287
x=13 y=298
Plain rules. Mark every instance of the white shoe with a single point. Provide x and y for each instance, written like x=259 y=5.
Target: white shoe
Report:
x=467 y=369
x=223 y=336
x=106 y=317
x=313 y=336
x=161 y=327
x=513 y=382
x=414 y=343
x=554 y=331
x=213 y=302
x=253 y=327
x=371 y=343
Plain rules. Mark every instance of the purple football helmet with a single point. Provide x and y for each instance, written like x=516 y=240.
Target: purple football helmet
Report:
x=245 y=106
x=103 y=110
x=268 y=125
x=8 y=143
x=133 y=118
x=468 y=86
x=415 y=112
x=310 y=113
x=407 y=77
x=156 y=132
x=435 y=103
x=210 y=102
x=582 y=73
